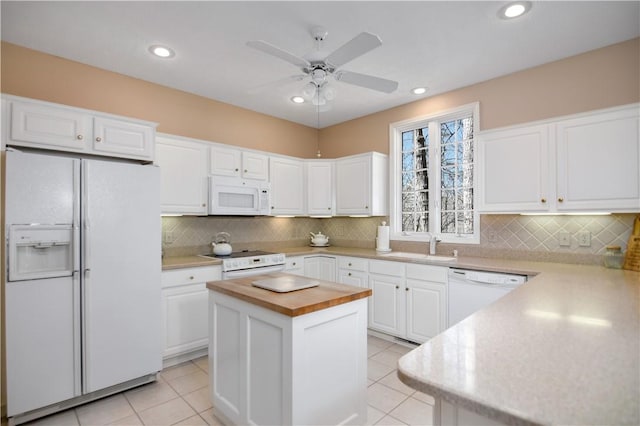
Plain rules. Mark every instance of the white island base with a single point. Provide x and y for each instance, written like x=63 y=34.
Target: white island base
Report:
x=268 y=368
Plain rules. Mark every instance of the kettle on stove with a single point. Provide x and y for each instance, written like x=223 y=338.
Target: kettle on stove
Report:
x=221 y=244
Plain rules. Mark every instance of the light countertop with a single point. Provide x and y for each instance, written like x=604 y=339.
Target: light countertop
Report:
x=563 y=348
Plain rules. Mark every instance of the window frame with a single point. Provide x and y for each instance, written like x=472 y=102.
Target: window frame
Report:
x=395 y=175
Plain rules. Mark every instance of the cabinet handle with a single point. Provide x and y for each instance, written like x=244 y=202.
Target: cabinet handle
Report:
x=98 y=139
x=204 y=205
x=328 y=208
x=543 y=200
x=294 y=263
x=272 y=207
x=349 y=263
x=366 y=207
x=560 y=199
x=79 y=137
x=406 y=289
x=237 y=169
x=191 y=277
x=245 y=170
x=397 y=287
x=349 y=274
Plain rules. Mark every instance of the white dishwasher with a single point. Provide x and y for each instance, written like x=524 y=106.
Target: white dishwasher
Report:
x=470 y=291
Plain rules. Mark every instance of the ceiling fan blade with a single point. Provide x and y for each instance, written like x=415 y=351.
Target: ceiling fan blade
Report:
x=359 y=45
x=276 y=83
x=278 y=53
x=368 y=81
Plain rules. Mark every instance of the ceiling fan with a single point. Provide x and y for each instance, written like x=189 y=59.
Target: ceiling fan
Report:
x=320 y=68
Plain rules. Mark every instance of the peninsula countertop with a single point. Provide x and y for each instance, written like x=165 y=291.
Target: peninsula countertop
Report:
x=294 y=303
x=563 y=348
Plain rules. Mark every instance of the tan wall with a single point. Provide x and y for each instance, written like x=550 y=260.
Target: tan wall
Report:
x=598 y=79
x=37 y=75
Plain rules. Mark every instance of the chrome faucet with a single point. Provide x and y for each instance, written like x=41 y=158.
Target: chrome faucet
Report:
x=432 y=244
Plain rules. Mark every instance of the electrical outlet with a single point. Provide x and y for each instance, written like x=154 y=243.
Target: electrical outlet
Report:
x=564 y=239
x=169 y=237
x=584 y=238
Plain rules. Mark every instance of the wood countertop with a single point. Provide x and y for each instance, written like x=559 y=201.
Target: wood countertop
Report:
x=294 y=303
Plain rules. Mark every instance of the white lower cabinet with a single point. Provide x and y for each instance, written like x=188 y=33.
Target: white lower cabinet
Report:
x=320 y=267
x=409 y=300
x=267 y=368
x=185 y=312
x=353 y=271
x=294 y=265
x=426 y=290
x=387 y=304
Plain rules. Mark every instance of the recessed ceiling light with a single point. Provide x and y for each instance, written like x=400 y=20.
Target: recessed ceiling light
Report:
x=161 y=51
x=419 y=90
x=513 y=10
x=297 y=99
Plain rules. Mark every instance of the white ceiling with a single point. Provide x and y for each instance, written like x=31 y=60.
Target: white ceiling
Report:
x=441 y=45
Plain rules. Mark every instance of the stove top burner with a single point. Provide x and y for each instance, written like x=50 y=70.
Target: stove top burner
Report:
x=244 y=253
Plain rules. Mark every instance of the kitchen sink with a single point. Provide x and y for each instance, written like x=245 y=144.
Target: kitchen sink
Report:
x=429 y=257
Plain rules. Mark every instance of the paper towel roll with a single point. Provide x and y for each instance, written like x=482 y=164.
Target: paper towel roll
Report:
x=382 y=242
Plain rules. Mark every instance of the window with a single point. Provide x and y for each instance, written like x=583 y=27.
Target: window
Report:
x=432 y=177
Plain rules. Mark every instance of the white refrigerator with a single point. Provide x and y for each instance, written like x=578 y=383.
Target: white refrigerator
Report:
x=83 y=309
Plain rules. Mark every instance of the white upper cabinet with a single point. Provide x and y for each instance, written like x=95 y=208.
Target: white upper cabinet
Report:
x=320 y=187
x=239 y=163
x=117 y=137
x=598 y=162
x=585 y=163
x=45 y=125
x=361 y=185
x=183 y=171
x=287 y=186
x=514 y=171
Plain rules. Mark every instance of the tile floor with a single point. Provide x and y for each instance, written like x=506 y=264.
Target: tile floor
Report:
x=180 y=396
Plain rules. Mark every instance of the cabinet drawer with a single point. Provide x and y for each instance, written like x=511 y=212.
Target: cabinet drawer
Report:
x=353 y=263
x=294 y=262
x=176 y=277
x=384 y=267
x=427 y=273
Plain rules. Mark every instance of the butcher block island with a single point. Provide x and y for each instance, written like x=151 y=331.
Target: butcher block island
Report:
x=288 y=358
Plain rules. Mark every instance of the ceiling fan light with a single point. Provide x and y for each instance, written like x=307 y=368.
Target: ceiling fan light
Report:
x=329 y=93
x=309 y=90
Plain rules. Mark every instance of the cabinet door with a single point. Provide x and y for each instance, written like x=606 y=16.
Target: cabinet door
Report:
x=598 y=160
x=353 y=186
x=287 y=186
x=186 y=323
x=426 y=304
x=514 y=170
x=183 y=171
x=225 y=161
x=320 y=188
x=255 y=165
x=44 y=126
x=124 y=138
x=387 y=304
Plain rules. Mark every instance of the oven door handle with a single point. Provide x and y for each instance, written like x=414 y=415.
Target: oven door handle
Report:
x=252 y=271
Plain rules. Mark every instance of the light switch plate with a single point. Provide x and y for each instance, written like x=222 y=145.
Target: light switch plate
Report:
x=564 y=239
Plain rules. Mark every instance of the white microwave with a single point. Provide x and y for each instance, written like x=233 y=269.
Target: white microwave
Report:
x=235 y=196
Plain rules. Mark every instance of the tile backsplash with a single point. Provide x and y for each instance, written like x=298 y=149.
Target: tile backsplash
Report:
x=510 y=236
